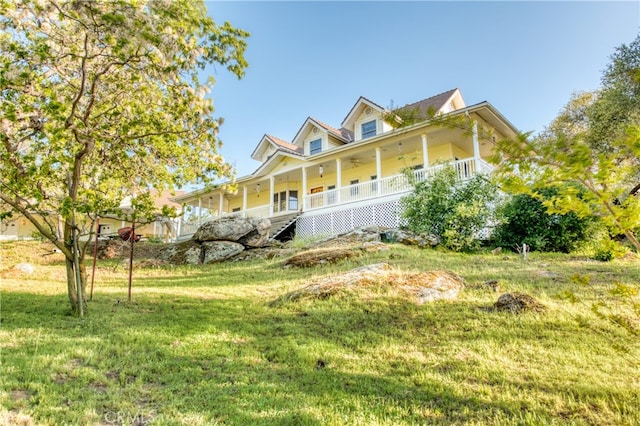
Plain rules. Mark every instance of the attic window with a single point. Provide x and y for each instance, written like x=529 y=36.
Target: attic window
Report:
x=369 y=129
x=315 y=146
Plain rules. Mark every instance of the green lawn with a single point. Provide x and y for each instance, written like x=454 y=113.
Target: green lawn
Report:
x=203 y=346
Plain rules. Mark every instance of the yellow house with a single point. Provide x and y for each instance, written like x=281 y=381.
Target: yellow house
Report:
x=328 y=180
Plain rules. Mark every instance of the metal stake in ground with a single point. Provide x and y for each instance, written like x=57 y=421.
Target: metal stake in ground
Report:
x=95 y=255
x=132 y=238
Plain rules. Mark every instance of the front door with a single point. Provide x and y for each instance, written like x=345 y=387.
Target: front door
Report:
x=285 y=201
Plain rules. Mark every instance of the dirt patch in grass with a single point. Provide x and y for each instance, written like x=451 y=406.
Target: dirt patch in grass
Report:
x=20 y=395
x=517 y=303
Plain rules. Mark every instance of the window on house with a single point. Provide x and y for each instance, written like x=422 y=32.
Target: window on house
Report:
x=368 y=129
x=235 y=210
x=315 y=146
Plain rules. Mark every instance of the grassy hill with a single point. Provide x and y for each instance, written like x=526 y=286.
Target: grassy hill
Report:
x=204 y=345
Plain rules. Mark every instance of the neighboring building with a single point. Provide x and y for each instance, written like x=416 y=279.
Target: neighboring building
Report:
x=16 y=228
x=19 y=228
x=328 y=180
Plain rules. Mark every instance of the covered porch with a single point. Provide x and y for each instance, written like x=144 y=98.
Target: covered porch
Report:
x=354 y=173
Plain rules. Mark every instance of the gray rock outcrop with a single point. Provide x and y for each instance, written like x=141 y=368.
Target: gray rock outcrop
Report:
x=185 y=253
x=235 y=228
x=219 y=240
x=409 y=238
x=422 y=287
x=217 y=251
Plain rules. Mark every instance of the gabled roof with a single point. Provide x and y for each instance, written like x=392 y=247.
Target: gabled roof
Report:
x=278 y=144
x=362 y=101
x=433 y=103
x=286 y=146
x=344 y=134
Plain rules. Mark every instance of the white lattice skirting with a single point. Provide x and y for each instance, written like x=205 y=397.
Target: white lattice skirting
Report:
x=386 y=214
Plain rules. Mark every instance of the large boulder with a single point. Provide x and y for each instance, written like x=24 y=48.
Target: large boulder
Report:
x=421 y=287
x=409 y=238
x=259 y=236
x=184 y=253
x=352 y=238
x=321 y=256
x=217 y=251
x=253 y=232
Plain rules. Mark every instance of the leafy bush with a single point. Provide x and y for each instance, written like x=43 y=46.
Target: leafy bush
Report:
x=455 y=211
x=526 y=220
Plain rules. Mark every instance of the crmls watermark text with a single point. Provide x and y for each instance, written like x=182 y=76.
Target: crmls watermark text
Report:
x=123 y=417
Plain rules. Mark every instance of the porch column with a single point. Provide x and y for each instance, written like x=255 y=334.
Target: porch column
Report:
x=221 y=205
x=272 y=182
x=304 y=187
x=378 y=168
x=476 y=145
x=425 y=152
x=338 y=179
x=244 y=200
x=199 y=210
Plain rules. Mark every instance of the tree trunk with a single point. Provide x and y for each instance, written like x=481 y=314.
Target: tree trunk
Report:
x=75 y=268
x=72 y=285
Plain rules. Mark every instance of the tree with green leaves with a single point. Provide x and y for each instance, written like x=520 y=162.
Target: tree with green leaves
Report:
x=100 y=101
x=525 y=220
x=591 y=152
x=454 y=210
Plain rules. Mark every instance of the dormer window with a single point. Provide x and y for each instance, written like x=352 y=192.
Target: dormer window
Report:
x=315 y=146
x=369 y=129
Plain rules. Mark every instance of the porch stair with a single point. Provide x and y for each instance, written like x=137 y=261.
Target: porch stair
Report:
x=280 y=224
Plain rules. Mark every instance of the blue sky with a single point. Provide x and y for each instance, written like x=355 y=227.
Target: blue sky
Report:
x=317 y=58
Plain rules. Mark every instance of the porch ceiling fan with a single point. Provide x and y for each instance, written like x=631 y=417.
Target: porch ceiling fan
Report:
x=355 y=162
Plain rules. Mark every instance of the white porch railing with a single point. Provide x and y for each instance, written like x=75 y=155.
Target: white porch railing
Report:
x=388 y=186
x=187 y=228
x=260 y=211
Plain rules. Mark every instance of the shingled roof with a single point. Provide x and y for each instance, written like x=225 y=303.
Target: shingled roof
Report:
x=341 y=133
x=433 y=103
x=286 y=146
